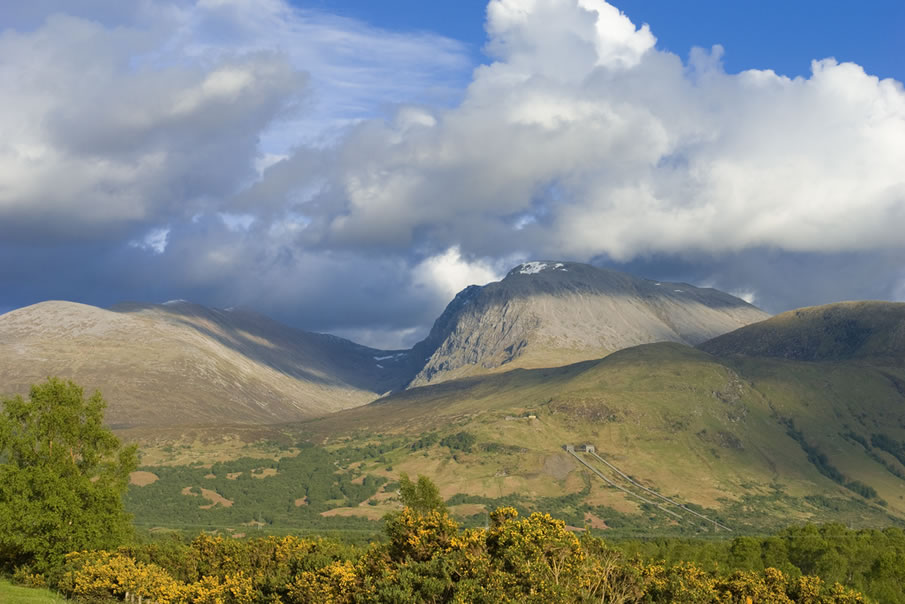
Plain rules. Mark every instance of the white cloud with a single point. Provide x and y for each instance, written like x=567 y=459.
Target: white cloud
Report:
x=563 y=40
x=265 y=160
x=448 y=273
x=236 y=222
x=356 y=70
x=748 y=295
x=98 y=141
x=583 y=140
x=111 y=119
x=154 y=241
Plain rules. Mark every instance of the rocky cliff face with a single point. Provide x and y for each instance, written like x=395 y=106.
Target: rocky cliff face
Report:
x=544 y=314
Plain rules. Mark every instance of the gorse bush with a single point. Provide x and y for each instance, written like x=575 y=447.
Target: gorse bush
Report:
x=209 y=569
x=427 y=558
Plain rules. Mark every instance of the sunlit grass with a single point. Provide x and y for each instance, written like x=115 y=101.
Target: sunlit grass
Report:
x=13 y=594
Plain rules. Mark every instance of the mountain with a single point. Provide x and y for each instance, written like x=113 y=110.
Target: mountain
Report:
x=795 y=418
x=756 y=442
x=179 y=363
x=833 y=332
x=545 y=314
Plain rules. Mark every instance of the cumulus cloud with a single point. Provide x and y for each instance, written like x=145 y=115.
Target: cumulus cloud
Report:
x=582 y=139
x=115 y=118
x=98 y=142
x=333 y=174
x=449 y=273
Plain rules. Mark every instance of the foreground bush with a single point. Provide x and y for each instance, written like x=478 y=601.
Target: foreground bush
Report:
x=427 y=559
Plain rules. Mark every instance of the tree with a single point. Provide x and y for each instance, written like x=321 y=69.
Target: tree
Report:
x=62 y=477
x=423 y=528
x=422 y=496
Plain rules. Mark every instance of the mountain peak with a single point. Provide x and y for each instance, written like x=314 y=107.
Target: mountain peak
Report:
x=537 y=266
x=550 y=312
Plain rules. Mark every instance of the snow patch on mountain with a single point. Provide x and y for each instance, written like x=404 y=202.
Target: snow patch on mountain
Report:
x=394 y=357
x=532 y=268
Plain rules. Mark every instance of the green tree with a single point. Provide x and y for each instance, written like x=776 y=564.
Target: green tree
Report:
x=423 y=528
x=745 y=554
x=62 y=477
x=422 y=496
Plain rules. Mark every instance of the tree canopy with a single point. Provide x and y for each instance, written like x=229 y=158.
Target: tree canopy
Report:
x=422 y=496
x=62 y=476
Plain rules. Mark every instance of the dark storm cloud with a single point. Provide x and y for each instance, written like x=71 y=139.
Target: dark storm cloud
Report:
x=777 y=280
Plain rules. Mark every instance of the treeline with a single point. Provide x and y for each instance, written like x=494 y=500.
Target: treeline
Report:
x=426 y=557
x=871 y=561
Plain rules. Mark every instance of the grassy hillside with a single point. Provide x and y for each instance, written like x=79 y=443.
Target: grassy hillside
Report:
x=714 y=432
x=833 y=332
x=179 y=364
x=748 y=434
x=755 y=444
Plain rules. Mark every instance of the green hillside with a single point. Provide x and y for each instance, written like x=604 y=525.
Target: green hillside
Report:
x=833 y=332
x=750 y=442
x=757 y=444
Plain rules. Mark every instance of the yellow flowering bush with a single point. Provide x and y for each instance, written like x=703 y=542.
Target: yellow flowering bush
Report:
x=428 y=558
x=232 y=589
x=105 y=574
x=419 y=537
x=334 y=584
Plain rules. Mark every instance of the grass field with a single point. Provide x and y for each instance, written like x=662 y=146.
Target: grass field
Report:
x=13 y=594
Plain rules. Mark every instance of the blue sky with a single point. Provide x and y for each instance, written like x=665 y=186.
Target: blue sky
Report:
x=349 y=166
x=781 y=35
x=764 y=34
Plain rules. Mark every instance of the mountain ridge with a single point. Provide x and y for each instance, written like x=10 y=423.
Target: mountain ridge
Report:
x=550 y=313
x=831 y=332
x=759 y=440
x=183 y=363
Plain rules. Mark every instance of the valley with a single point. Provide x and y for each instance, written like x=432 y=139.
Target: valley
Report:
x=704 y=418
x=684 y=424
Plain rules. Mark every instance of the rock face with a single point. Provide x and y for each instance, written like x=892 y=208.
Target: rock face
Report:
x=545 y=314
x=179 y=363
